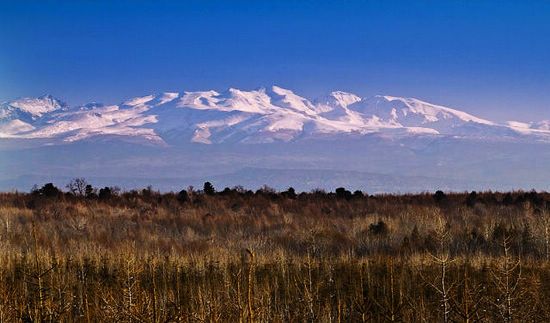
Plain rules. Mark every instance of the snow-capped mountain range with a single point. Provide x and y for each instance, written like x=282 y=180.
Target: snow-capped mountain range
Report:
x=264 y=115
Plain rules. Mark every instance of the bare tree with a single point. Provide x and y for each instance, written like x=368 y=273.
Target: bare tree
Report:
x=443 y=260
x=469 y=307
x=77 y=186
x=393 y=299
x=507 y=278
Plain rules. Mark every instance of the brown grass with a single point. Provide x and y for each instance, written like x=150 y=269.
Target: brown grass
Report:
x=238 y=257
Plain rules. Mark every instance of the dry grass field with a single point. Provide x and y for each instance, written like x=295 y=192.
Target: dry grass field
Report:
x=266 y=256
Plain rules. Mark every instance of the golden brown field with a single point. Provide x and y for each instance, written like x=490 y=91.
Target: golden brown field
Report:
x=239 y=256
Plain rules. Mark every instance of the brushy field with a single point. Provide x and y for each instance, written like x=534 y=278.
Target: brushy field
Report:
x=239 y=256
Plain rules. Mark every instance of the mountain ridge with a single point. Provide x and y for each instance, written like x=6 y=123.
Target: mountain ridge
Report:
x=263 y=115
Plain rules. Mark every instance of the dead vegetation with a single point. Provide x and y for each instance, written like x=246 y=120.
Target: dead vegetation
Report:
x=239 y=256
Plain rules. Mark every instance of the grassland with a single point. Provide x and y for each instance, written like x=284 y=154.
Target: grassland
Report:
x=239 y=256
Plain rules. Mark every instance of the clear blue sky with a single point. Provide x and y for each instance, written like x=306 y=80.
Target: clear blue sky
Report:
x=491 y=58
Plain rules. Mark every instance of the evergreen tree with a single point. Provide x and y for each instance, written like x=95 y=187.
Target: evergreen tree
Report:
x=209 y=189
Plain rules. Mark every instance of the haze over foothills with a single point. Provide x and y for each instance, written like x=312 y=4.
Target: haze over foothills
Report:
x=381 y=96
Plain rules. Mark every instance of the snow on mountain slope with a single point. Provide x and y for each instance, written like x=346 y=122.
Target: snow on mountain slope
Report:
x=14 y=127
x=343 y=99
x=107 y=120
x=287 y=99
x=167 y=97
x=335 y=107
x=231 y=100
x=35 y=106
x=408 y=112
x=139 y=101
x=257 y=116
x=432 y=112
x=531 y=128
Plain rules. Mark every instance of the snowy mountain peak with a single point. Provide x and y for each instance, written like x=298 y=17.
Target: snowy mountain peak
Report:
x=345 y=99
x=336 y=99
x=433 y=112
x=410 y=112
x=281 y=91
x=167 y=97
x=288 y=99
x=38 y=106
x=139 y=100
x=250 y=116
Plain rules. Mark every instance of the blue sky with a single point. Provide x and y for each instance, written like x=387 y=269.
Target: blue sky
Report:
x=491 y=58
